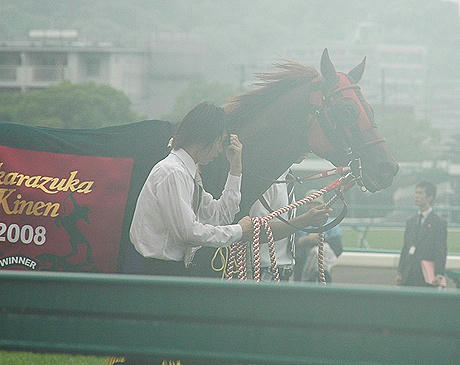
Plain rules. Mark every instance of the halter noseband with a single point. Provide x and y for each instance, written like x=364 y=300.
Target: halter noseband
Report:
x=335 y=134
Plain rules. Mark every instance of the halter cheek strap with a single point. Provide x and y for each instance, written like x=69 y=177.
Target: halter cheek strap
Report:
x=322 y=137
x=329 y=136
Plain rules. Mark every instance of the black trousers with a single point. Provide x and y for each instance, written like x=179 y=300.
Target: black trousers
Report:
x=164 y=267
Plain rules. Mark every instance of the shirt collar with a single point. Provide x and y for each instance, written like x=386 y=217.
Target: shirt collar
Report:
x=186 y=159
x=284 y=175
x=426 y=212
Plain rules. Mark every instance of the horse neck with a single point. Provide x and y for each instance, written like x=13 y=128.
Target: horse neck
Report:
x=272 y=141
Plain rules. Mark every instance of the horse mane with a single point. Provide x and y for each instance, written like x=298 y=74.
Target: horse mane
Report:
x=270 y=86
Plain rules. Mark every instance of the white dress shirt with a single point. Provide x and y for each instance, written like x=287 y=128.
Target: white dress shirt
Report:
x=276 y=197
x=164 y=223
x=425 y=214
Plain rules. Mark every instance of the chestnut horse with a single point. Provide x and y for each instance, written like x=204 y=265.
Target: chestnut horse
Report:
x=297 y=110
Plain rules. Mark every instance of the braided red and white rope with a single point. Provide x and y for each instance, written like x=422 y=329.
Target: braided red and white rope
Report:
x=256 y=223
x=241 y=257
x=239 y=250
x=321 y=270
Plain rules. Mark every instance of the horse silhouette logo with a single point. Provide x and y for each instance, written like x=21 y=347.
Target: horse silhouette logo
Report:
x=76 y=239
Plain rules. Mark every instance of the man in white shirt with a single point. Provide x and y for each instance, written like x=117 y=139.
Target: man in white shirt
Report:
x=173 y=213
x=277 y=196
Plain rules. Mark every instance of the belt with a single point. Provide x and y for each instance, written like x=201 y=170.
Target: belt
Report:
x=154 y=266
x=285 y=271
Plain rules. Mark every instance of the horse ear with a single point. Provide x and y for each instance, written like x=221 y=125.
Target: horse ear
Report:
x=327 y=68
x=356 y=74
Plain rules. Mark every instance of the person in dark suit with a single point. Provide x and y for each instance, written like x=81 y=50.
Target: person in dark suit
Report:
x=425 y=239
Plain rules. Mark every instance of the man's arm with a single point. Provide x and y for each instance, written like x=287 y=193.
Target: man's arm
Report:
x=316 y=216
x=308 y=241
x=223 y=210
x=181 y=222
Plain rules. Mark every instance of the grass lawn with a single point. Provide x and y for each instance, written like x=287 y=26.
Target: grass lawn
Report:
x=28 y=358
x=391 y=239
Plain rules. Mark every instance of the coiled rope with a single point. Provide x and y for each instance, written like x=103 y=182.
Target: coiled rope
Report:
x=236 y=257
x=238 y=251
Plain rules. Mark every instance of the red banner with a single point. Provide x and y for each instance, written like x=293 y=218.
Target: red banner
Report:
x=61 y=212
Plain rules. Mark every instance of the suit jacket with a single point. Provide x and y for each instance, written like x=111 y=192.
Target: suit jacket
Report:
x=430 y=243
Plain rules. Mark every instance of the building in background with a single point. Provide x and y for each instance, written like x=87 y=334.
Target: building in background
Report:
x=151 y=76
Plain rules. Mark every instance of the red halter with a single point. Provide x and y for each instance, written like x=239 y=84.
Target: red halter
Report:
x=329 y=135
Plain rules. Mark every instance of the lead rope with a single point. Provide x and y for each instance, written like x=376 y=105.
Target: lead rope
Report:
x=228 y=257
x=321 y=267
x=238 y=250
x=321 y=270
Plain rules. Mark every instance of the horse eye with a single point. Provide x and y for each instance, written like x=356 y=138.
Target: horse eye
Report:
x=345 y=111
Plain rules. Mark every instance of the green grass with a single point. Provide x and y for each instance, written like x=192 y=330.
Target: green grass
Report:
x=29 y=358
x=392 y=239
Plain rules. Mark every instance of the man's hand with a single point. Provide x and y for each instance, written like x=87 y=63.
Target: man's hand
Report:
x=233 y=152
x=438 y=280
x=317 y=216
x=246 y=225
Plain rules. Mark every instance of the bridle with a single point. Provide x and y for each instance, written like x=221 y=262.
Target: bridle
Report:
x=340 y=136
x=321 y=101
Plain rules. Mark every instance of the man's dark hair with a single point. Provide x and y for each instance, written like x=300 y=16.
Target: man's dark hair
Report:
x=203 y=125
x=430 y=189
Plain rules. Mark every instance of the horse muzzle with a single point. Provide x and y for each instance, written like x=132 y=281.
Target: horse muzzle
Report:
x=381 y=177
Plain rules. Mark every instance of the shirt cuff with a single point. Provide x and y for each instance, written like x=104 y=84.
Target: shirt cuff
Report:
x=233 y=182
x=237 y=232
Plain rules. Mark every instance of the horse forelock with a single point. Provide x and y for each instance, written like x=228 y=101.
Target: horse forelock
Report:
x=270 y=85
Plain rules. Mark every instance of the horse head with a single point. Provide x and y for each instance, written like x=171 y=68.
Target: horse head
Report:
x=342 y=128
x=295 y=110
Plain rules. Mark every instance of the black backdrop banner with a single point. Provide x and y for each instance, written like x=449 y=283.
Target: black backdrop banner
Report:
x=67 y=196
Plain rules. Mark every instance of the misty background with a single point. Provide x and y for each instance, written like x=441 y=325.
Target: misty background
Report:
x=228 y=41
x=144 y=59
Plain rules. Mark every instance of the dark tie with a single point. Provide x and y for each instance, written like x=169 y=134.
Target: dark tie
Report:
x=291 y=213
x=419 y=222
x=197 y=192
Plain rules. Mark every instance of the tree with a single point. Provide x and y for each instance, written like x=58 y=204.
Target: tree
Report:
x=198 y=91
x=68 y=105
